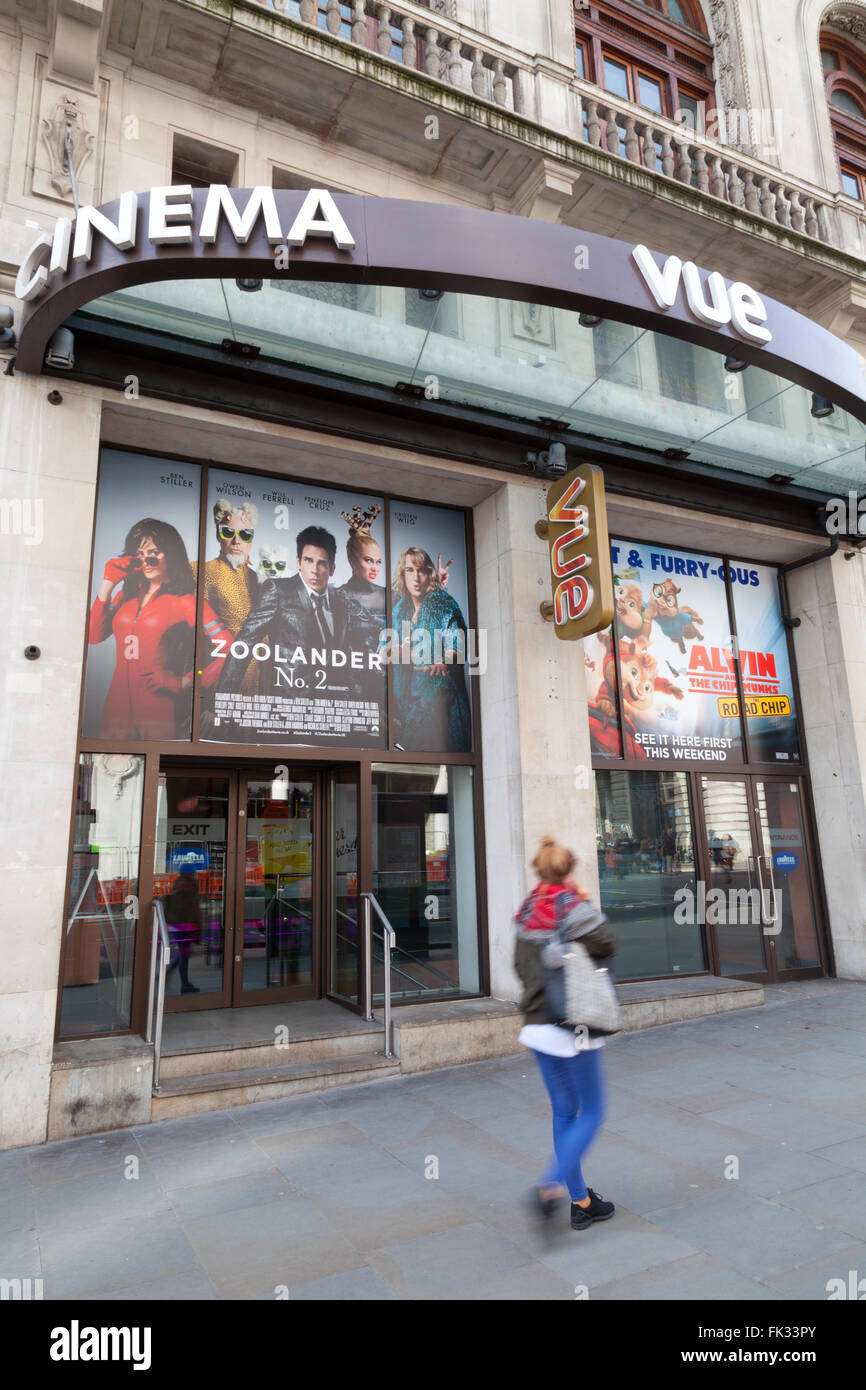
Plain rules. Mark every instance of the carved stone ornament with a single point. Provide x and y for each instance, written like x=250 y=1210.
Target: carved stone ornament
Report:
x=531 y=321
x=119 y=767
x=446 y=7
x=845 y=22
x=730 y=60
x=54 y=135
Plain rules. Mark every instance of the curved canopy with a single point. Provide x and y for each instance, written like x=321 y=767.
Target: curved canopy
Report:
x=216 y=233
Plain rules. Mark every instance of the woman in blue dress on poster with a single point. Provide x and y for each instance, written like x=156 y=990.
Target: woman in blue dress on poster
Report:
x=431 y=700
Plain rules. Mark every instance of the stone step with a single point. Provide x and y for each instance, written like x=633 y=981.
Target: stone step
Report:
x=194 y=1095
x=266 y=1054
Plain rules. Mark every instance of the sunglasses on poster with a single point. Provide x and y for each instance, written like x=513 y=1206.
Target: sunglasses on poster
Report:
x=273 y=565
x=228 y=533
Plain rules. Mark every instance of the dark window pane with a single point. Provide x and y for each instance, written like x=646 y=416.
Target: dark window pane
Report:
x=616 y=78
x=845 y=102
x=101 y=913
x=424 y=880
x=645 y=852
x=850 y=184
x=649 y=93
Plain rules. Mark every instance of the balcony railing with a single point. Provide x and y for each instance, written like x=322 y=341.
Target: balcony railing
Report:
x=427 y=42
x=679 y=152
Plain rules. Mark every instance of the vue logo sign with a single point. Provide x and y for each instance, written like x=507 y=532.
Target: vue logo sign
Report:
x=714 y=302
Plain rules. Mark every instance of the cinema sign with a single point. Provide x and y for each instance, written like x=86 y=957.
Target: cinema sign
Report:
x=170 y=223
x=180 y=232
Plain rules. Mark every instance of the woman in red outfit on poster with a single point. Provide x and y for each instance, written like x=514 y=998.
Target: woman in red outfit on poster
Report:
x=153 y=623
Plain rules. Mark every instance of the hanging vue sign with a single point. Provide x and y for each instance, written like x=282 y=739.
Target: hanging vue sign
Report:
x=576 y=532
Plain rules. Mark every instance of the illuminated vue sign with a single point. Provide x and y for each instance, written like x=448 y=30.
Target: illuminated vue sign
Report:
x=576 y=531
x=176 y=233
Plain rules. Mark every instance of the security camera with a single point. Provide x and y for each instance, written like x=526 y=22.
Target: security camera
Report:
x=7 y=332
x=550 y=460
x=553 y=459
x=60 y=352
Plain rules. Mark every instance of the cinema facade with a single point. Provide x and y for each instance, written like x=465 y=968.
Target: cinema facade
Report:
x=278 y=640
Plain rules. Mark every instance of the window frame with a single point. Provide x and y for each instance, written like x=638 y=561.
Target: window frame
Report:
x=672 y=55
x=849 y=132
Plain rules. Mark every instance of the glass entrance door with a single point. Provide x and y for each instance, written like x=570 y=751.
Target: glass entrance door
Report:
x=785 y=866
x=758 y=902
x=275 y=942
x=732 y=902
x=236 y=869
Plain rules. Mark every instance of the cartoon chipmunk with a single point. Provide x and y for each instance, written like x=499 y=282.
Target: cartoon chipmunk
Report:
x=640 y=681
x=632 y=619
x=675 y=622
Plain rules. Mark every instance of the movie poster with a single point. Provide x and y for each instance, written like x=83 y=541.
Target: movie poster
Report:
x=768 y=685
x=141 y=628
x=673 y=658
x=430 y=648
x=295 y=575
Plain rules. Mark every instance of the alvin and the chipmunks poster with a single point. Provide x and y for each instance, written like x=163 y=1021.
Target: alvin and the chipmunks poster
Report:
x=670 y=655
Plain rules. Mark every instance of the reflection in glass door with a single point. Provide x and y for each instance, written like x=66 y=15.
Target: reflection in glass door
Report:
x=274 y=946
x=785 y=870
x=757 y=854
x=345 y=962
x=737 y=916
x=192 y=862
x=234 y=870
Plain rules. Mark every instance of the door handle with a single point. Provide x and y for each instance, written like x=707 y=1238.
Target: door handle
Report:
x=774 y=921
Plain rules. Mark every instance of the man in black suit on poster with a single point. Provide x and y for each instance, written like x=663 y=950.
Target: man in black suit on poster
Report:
x=306 y=612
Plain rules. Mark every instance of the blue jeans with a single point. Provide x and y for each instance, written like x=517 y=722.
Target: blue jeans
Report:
x=576 y=1089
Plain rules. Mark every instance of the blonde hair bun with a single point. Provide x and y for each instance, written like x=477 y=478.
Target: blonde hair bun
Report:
x=553 y=862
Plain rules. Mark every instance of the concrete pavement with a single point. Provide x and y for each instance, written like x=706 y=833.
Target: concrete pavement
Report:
x=734 y=1148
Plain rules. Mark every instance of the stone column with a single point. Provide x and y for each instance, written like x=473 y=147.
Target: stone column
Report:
x=47 y=490
x=830 y=644
x=536 y=754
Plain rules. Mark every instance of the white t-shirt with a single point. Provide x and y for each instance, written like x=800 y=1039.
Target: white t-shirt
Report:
x=555 y=1041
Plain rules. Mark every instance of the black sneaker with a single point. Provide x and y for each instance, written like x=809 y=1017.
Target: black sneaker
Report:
x=598 y=1210
x=543 y=1207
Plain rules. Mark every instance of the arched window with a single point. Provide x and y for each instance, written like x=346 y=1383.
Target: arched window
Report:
x=845 y=85
x=655 y=53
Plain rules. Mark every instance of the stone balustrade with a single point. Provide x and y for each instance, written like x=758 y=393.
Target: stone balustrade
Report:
x=681 y=153
x=423 y=38
x=418 y=37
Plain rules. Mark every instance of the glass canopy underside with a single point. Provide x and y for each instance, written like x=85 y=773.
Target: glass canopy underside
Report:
x=527 y=361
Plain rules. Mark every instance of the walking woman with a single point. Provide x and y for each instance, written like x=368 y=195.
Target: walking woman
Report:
x=570 y=1065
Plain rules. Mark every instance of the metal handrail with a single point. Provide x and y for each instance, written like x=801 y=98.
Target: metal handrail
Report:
x=389 y=938
x=160 y=948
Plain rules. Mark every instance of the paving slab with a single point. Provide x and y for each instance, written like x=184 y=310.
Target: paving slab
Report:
x=751 y=1234
x=414 y=1188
